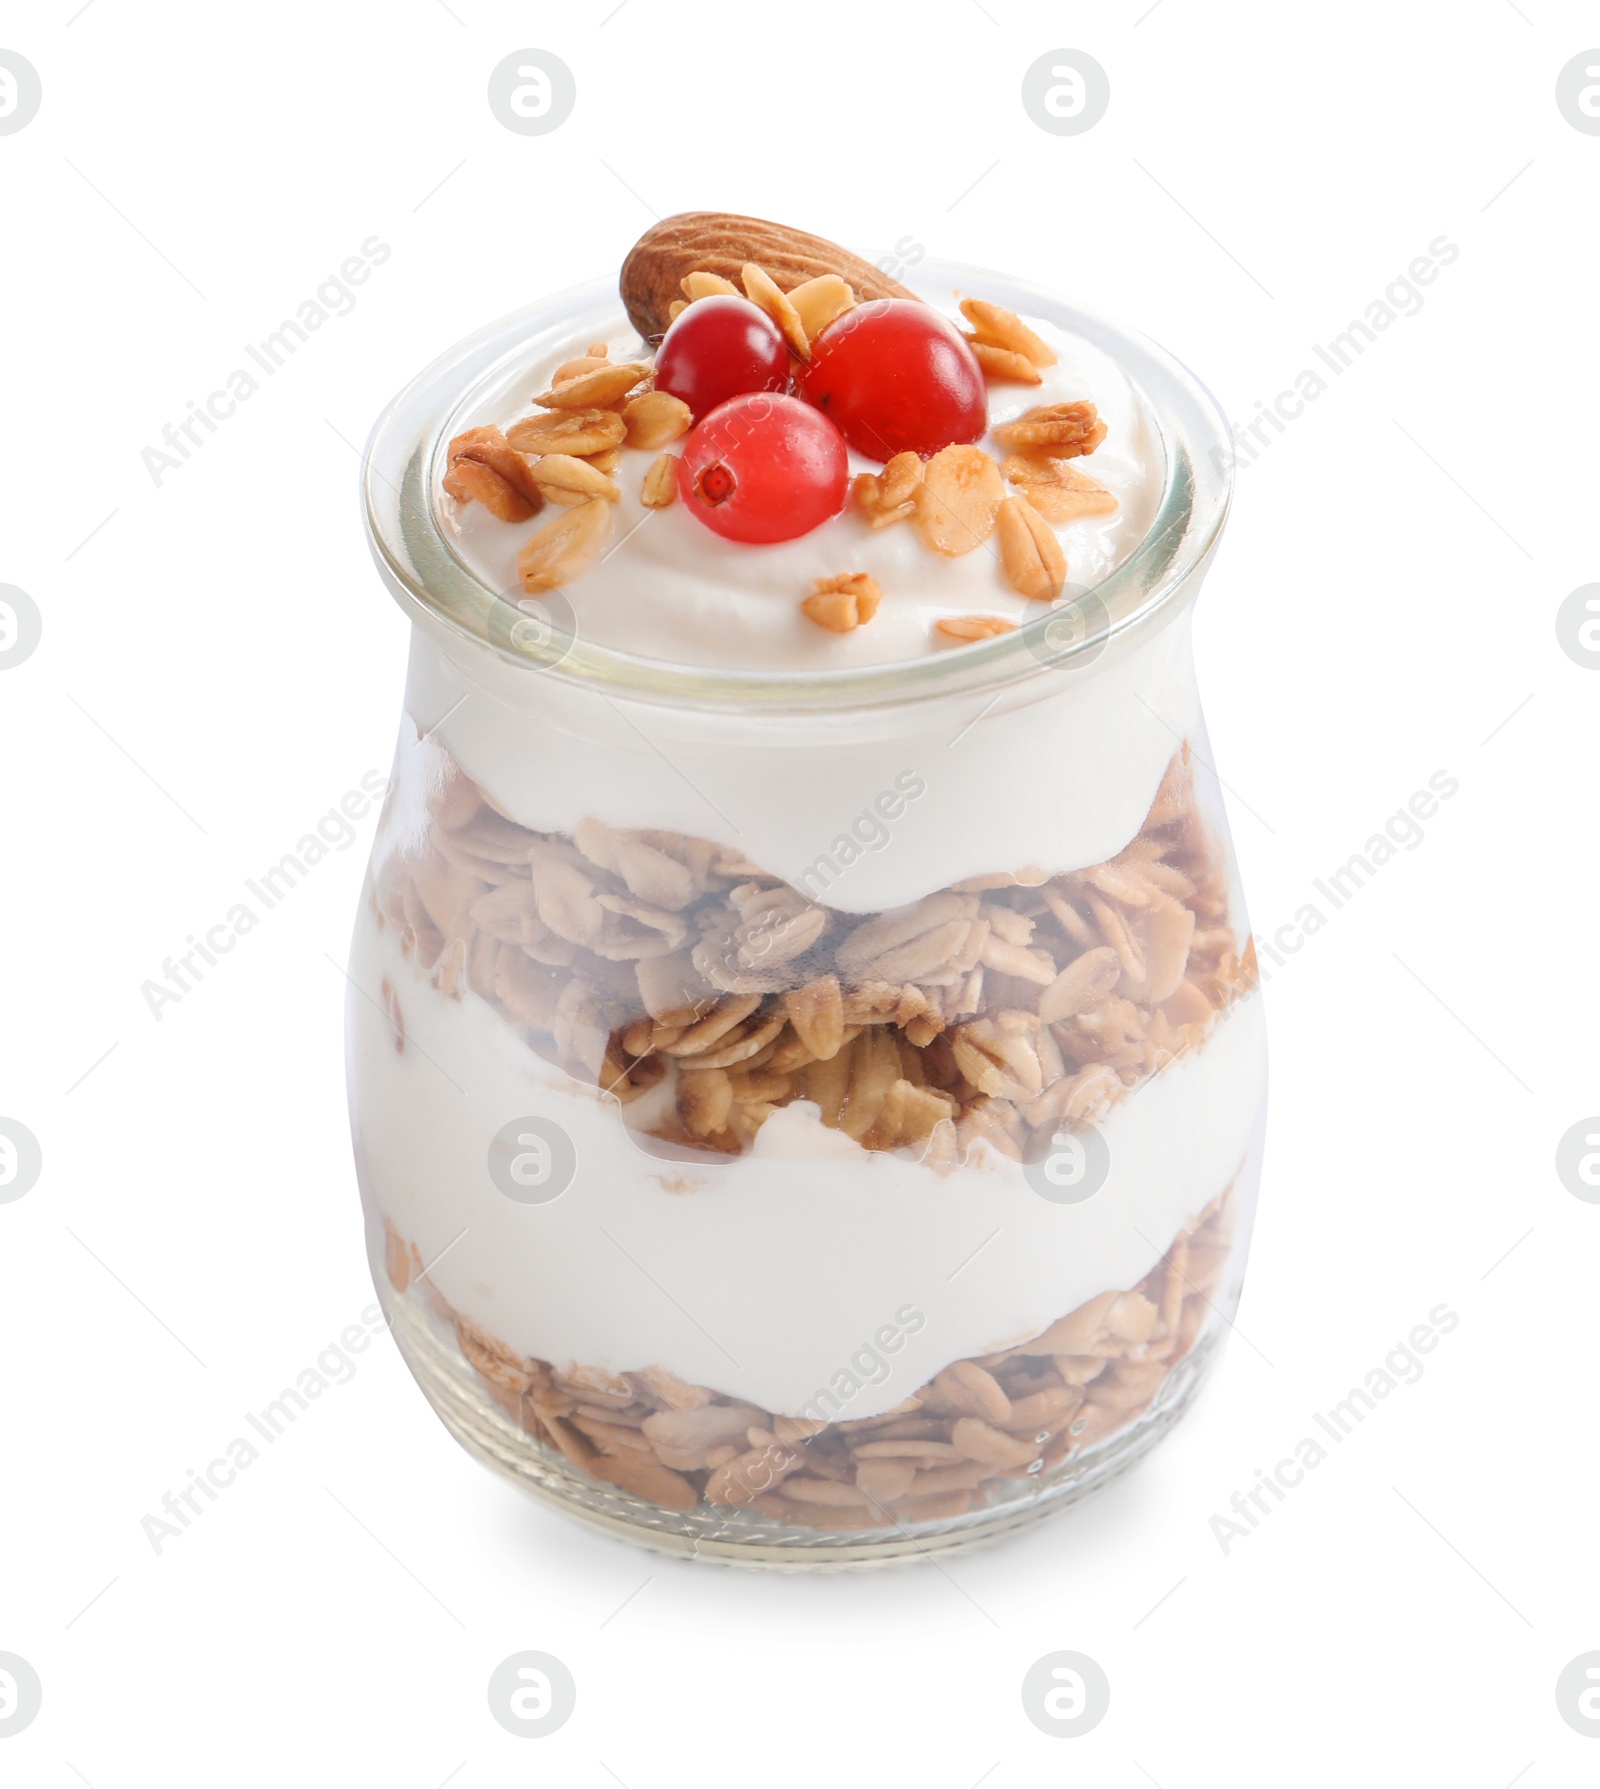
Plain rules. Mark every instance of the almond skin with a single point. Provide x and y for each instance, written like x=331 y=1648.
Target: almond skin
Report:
x=721 y=242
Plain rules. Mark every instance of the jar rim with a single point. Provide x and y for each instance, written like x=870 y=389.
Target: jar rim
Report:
x=403 y=463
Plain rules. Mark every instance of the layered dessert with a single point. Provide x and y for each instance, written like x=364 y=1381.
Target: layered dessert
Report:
x=831 y=1122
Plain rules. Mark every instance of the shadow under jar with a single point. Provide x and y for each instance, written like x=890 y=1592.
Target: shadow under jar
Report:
x=764 y=1197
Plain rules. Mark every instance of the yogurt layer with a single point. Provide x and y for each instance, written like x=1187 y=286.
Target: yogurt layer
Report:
x=861 y=811
x=670 y=589
x=768 y=1275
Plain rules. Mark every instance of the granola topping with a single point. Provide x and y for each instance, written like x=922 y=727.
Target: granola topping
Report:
x=600 y=414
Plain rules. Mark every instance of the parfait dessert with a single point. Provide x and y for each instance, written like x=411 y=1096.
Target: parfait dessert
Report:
x=806 y=1063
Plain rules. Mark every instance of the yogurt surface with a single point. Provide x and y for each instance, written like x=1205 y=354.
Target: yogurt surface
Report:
x=670 y=589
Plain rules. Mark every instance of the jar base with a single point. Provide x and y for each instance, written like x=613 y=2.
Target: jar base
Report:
x=745 y=1538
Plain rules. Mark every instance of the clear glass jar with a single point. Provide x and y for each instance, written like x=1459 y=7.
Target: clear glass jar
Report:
x=804 y=1119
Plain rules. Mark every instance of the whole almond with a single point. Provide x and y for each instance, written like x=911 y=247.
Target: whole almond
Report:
x=960 y=493
x=721 y=242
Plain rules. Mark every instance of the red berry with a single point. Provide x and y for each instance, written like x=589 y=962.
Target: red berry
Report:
x=895 y=374
x=763 y=468
x=719 y=348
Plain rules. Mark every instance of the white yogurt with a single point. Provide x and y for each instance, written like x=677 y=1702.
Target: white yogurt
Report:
x=769 y=1275
x=862 y=811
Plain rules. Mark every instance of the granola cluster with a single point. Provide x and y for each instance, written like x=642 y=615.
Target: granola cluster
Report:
x=956 y=1442
x=997 y=1010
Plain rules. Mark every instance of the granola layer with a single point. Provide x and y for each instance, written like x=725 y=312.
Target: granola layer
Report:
x=704 y=994
x=958 y=1441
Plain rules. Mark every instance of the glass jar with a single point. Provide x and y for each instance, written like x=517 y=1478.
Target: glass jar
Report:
x=804 y=1119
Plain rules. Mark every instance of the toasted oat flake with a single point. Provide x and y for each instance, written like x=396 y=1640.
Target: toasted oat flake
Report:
x=604 y=385
x=469 y=481
x=654 y=418
x=1085 y=981
x=974 y=1391
x=1065 y=430
x=705 y=1099
x=660 y=487
x=646 y=1477
x=994 y=324
x=705 y=285
x=818 y=301
x=760 y=288
x=842 y=604
x=887 y=496
x=1002 y=365
x=1056 y=488
x=957 y=500
x=565 y=479
x=973 y=627
x=577 y=432
x=978 y=1440
x=485 y=467
x=817 y=1013
x=575 y=369
x=1034 y=560
x=566 y=548
x=910 y=1113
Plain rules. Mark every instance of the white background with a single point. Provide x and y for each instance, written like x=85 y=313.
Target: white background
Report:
x=219 y=666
